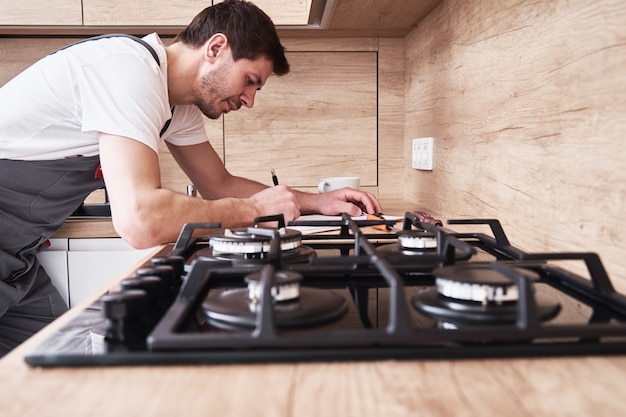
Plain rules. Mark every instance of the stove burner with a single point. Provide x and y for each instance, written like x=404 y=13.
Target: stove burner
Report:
x=294 y=306
x=299 y=255
x=477 y=294
x=478 y=282
x=287 y=286
x=417 y=239
x=417 y=242
x=241 y=246
x=242 y=241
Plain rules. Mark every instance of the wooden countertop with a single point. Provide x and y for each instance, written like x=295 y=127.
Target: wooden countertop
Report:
x=94 y=227
x=588 y=386
x=578 y=386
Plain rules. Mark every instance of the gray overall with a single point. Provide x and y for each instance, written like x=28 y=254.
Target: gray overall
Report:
x=36 y=197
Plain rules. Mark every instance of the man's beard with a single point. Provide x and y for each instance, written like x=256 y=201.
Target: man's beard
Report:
x=212 y=90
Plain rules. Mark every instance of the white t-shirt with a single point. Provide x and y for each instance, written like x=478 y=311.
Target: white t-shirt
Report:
x=56 y=108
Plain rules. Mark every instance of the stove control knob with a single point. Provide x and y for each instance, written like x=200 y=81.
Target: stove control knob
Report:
x=164 y=272
x=150 y=284
x=176 y=262
x=125 y=312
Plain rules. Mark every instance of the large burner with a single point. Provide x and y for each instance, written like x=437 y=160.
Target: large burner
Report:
x=294 y=306
x=477 y=294
x=243 y=241
x=243 y=244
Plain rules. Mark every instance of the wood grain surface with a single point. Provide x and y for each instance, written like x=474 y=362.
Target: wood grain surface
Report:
x=522 y=387
x=526 y=102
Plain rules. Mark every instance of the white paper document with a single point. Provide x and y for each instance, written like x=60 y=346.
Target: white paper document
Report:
x=308 y=230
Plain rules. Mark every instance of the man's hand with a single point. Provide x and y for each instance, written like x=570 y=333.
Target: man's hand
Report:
x=277 y=200
x=344 y=200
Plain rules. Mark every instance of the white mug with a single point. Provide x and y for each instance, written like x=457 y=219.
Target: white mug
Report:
x=334 y=183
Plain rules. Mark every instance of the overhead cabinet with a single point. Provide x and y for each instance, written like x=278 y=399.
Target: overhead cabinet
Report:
x=153 y=13
x=41 y=12
x=141 y=13
x=180 y=12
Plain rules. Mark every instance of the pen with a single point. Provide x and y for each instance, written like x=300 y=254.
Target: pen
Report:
x=274 y=177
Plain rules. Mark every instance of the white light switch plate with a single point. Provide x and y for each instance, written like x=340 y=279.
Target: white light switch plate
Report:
x=423 y=153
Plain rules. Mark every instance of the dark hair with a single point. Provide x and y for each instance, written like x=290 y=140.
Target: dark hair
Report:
x=250 y=32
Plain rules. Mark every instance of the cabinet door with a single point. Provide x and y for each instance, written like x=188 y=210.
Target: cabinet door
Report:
x=54 y=261
x=94 y=263
x=41 y=12
x=318 y=120
x=180 y=12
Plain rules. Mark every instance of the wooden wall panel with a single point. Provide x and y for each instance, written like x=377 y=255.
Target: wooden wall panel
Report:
x=16 y=54
x=319 y=120
x=172 y=176
x=526 y=102
x=391 y=158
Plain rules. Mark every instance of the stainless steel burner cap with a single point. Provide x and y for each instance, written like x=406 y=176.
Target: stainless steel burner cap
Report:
x=241 y=241
x=476 y=292
x=417 y=239
x=286 y=286
x=478 y=283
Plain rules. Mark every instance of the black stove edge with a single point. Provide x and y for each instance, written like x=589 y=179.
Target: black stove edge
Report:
x=512 y=351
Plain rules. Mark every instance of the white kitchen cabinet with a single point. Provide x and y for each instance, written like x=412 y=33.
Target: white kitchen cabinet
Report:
x=54 y=261
x=93 y=263
x=80 y=267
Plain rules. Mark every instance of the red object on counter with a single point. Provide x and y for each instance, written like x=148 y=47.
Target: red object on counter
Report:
x=427 y=218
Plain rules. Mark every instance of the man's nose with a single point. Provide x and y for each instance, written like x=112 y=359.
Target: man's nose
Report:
x=247 y=98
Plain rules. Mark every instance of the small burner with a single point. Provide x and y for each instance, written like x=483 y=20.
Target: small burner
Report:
x=417 y=239
x=477 y=293
x=241 y=245
x=294 y=306
x=417 y=242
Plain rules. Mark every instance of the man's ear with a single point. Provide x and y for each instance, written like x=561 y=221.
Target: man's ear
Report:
x=215 y=45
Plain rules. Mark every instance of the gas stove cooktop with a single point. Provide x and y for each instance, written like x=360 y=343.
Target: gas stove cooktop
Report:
x=421 y=290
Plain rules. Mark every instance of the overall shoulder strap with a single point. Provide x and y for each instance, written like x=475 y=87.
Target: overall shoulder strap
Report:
x=116 y=35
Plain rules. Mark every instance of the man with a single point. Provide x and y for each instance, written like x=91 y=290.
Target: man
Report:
x=92 y=114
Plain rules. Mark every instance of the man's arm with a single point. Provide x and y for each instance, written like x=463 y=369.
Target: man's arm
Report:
x=146 y=215
x=208 y=174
